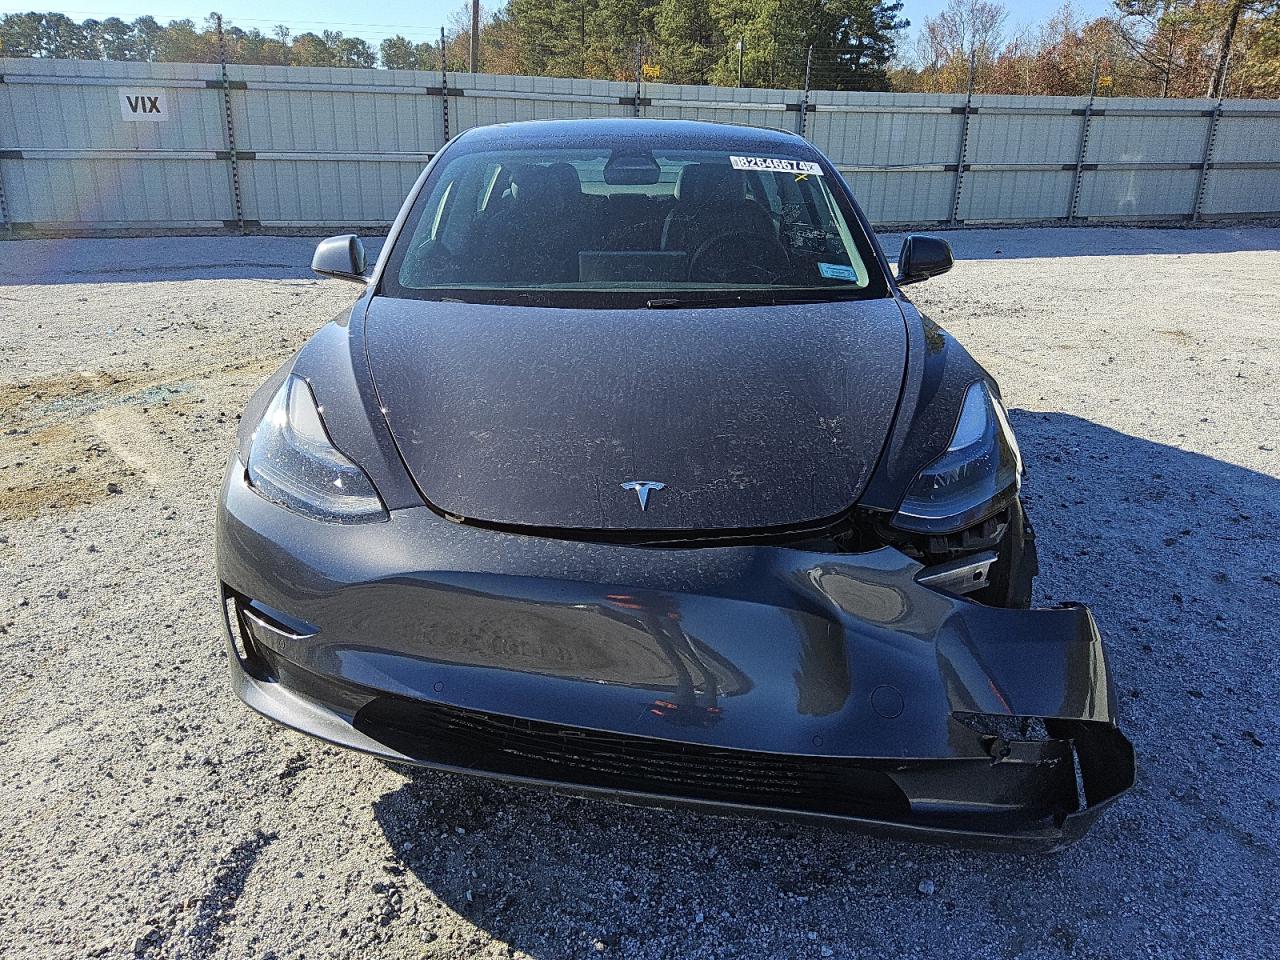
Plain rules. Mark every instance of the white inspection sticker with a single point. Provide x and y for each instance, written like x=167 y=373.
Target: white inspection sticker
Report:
x=838 y=271
x=775 y=165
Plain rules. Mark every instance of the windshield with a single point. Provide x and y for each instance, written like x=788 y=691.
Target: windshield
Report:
x=558 y=226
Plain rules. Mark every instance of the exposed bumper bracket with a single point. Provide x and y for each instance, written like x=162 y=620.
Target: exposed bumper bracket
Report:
x=960 y=576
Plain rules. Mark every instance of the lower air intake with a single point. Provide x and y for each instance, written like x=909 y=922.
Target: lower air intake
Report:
x=432 y=733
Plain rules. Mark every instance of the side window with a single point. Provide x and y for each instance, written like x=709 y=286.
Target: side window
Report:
x=494 y=178
x=669 y=179
x=428 y=225
x=440 y=208
x=450 y=230
x=591 y=176
x=439 y=221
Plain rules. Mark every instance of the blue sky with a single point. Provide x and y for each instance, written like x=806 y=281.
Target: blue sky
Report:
x=415 y=19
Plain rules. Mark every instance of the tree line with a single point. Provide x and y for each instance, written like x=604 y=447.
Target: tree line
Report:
x=180 y=41
x=1145 y=48
x=1161 y=48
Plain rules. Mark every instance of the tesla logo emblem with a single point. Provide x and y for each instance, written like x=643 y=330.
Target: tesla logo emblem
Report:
x=643 y=488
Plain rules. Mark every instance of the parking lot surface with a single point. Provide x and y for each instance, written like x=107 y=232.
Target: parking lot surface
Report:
x=147 y=813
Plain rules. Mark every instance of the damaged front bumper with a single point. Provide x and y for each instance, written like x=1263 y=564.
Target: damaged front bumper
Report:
x=756 y=679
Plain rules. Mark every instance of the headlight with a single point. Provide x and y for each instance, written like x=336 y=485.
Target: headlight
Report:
x=979 y=474
x=293 y=463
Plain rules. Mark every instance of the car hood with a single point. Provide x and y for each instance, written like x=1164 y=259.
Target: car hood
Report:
x=749 y=416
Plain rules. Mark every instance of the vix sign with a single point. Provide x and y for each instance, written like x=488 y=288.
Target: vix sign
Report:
x=139 y=104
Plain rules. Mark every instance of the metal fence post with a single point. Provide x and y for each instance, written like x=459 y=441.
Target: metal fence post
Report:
x=804 y=97
x=4 y=204
x=1210 y=141
x=635 y=109
x=963 y=152
x=4 y=200
x=1074 y=209
x=444 y=90
x=233 y=159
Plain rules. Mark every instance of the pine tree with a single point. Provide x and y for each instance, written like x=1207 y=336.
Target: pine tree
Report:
x=397 y=54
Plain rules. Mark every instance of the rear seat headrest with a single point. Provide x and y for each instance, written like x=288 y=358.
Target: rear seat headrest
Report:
x=565 y=177
x=546 y=185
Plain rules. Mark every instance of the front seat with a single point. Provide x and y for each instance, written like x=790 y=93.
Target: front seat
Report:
x=710 y=200
x=537 y=235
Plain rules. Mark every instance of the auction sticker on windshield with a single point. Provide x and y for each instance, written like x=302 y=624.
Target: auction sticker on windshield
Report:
x=774 y=165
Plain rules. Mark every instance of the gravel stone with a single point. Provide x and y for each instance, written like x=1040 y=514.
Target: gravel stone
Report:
x=1152 y=467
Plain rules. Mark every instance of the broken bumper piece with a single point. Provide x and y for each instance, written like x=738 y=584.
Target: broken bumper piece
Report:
x=764 y=680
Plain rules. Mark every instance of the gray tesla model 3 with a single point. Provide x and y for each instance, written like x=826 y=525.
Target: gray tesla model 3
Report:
x=633 y=473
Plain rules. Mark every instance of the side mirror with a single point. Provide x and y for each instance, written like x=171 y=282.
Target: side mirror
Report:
x=923 y=257
x=341 y=258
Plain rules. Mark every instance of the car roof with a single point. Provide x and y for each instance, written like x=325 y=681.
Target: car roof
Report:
x=612 y=132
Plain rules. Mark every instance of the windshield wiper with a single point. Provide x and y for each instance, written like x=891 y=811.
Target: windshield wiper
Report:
x=739 y=300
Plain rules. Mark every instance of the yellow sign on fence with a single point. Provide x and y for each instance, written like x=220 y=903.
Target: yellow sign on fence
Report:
x=650 y=71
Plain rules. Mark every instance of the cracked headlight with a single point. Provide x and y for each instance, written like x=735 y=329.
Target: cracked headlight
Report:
x=293 y=463
x=979 y=475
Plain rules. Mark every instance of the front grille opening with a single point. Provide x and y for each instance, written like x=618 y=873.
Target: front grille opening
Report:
x=472 y=740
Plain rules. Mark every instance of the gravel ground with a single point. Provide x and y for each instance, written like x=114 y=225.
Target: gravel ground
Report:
x=146 y=813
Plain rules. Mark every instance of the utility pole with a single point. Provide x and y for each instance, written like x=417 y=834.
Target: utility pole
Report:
x=475 y=36
x=742 y=44
x=1218 y=81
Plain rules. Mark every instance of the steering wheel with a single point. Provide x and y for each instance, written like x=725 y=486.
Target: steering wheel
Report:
x=744 y=258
